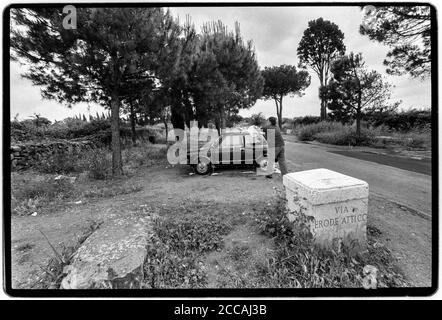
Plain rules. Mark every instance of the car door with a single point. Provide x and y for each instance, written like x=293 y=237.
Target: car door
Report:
x=230 y=148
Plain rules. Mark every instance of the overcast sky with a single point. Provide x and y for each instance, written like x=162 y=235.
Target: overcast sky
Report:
x=275 y=32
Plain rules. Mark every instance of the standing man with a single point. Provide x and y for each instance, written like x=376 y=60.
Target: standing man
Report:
x=278 y=144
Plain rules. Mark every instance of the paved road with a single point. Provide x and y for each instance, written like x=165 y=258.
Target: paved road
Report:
x=409 y=188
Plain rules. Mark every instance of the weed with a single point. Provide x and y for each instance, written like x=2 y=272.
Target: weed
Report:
x=111 y=189
x=299 y=263
x=53 y=272
x=174 y=253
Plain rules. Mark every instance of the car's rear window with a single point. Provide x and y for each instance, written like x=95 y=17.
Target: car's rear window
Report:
x=253 y=139
x=232 y=141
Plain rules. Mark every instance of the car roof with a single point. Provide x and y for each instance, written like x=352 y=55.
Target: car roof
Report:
x=237 y=131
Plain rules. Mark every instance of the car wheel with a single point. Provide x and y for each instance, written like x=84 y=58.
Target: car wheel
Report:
x=202 y=167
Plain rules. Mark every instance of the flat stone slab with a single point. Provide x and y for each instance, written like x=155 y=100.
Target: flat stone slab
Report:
x=337 y=204
x=112 y=257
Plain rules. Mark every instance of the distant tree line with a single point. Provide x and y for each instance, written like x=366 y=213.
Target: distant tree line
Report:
x=390 y=117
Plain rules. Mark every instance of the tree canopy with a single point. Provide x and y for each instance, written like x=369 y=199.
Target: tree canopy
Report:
x=321 y=43
x=354 y=88
x=407 y=30
x=280 y=81
x=94 y=62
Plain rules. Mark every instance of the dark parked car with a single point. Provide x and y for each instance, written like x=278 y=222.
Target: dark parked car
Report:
x=240 y=147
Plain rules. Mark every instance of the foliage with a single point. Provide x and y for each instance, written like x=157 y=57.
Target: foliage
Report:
x=354 y=89
x=31 y=192
x=172 y=259
x=413 y=119
x=233 y=119
x=308 y=132
x=53 y=272
x=145 y=154
x=60 y=162
x=226 y=76
x=321 y=43
x=298 y=263
x=98 y=164
x=96 y=61
x=257 y=119
x=405 y=29
x=305 y=120
x=280 y=81
x=346 y=137
x=335 y=133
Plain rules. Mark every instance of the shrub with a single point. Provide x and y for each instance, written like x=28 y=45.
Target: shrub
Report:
x=335 y=133
x=308 y=132
x=31 y=192
x=347 y=136
x=300 y=121
x=60 y=162
x=38 y=187
x=98 y=163
x=404 y=121
x=145 y=154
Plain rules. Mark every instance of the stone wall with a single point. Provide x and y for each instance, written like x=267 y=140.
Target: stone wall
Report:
x=25 y=155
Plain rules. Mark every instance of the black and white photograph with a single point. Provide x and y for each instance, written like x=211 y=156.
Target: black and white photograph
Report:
x=223 y=148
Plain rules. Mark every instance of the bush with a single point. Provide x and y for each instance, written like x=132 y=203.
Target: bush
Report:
x=301 y=121
x=404 y=121
x=144 y=155
x=98 y=164
x=31 y=192
x=335 y=133
x=308 y=132
x=347 y=136
x=59 y=162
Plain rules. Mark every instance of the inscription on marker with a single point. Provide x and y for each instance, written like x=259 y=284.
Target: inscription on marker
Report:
x=336 y=202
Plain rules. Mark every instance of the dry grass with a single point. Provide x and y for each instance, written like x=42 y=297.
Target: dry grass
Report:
x=38 y=191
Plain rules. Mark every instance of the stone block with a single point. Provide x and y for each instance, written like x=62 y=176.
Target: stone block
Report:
x=112 y=257
x=336 y=203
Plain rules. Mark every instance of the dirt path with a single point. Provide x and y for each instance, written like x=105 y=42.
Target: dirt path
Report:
x=165 y=188
x=234 y=193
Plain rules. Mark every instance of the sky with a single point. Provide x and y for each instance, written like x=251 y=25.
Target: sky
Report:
x=275 y=32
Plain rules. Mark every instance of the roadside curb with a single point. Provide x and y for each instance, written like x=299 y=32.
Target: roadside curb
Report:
x=400 y=204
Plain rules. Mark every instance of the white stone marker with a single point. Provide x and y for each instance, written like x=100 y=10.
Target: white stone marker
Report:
x=337 y=203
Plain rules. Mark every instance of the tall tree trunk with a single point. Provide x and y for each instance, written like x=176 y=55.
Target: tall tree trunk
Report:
x=165 y=126
x=358 y=115
x=222 y=118
x=280 y=114
x=277 y=110
x=323 y=112
x=132 y=122
x=218 y=125
x=358 y=122
x=117 y=163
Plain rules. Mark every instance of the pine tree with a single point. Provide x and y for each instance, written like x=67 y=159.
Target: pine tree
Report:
x=90 y=63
